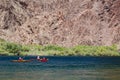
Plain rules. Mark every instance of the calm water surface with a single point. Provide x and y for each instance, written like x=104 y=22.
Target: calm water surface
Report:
x=61 y=68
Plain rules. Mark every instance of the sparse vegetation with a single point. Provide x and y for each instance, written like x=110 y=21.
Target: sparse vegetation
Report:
x=8 y=48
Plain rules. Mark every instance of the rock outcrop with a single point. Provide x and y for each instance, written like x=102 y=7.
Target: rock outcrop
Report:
x=61 y=22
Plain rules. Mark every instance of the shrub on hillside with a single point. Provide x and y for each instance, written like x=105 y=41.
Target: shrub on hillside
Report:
x=12 y=48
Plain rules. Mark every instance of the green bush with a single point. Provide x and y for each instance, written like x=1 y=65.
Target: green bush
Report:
x=25 y=48
x=12 y=47
x=53 y=47
x=96 y=50
x=54 y=50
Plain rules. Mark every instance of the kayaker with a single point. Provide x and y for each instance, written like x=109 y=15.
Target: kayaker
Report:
x=44 y=58
x=38 y=57
x=20 y=58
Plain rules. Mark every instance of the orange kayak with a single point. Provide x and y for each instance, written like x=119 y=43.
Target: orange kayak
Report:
x=21 y=60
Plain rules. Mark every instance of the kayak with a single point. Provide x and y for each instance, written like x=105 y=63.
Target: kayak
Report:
x=43 y=60
x=21 y=60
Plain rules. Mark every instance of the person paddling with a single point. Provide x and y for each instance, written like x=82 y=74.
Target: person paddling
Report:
x=20 y=59
x=44 y=59
x=38 y=57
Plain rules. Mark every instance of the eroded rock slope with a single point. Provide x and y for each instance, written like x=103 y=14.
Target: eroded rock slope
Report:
x=61 y=22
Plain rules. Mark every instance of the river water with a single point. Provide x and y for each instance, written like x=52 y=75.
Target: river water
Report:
x=61 y=68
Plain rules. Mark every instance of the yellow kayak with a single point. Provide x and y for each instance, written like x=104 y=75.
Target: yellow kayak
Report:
x=21 y=60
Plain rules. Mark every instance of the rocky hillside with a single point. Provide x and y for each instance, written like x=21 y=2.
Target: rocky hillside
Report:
x=61 y=22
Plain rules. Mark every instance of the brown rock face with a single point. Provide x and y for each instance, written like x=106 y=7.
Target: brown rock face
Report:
x=61 y=22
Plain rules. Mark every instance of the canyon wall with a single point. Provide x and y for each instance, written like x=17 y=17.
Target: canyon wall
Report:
x=61 y=22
